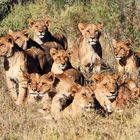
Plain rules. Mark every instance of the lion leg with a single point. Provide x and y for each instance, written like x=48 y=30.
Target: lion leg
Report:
x=22 y=91
x=11 y=88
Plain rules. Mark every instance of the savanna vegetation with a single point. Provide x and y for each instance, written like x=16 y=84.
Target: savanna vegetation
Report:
x=121 y=20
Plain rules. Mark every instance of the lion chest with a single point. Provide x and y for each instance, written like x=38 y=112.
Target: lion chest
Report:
x=130 y=65
x=87 y=55
x=15 y=64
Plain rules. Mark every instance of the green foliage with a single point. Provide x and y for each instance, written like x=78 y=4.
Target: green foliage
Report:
x=120 y=18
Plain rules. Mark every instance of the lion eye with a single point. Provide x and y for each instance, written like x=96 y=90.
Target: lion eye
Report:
x=84 y=94
x=36 y=26
x=18 y=38
x=88 y=31
x=1 y=44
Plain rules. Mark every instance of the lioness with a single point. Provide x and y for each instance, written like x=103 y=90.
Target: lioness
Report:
x=105 y=89
x=125 y=58
x=86 y=50
x=61 y=65
x=16 y=60
x=42 y=35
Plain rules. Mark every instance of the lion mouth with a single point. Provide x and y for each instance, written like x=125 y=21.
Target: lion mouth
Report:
x=62 y=66
x=41 y=35
x=113 y=96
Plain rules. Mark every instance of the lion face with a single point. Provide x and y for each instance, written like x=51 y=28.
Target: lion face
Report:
x=46 y=83
x=33 y=80
x=20 y=38
x=90 y=32
x=121 y=48
x=6 y=44
x=107 y=83
x=60 y=58
x=39 y=27
x=83 y=98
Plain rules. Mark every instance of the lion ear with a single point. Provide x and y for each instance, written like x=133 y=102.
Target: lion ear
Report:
x=129 y=42
x=100 y=26
x=47 y=21
x=96 y=78
x=53 y=52
x=10 y=32
x=25 y=33
x=114 y=42
x=31 y=22
x=115 y=76
x=74 y=89
x=51 y=77
x=25 y=74
x=82 y=26
x=69 y=51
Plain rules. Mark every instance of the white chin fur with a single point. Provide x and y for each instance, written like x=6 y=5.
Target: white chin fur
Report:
x=62 y=67
x=92 y=43
x=41 y=36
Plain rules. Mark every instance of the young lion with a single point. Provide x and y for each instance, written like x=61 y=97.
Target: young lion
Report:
x=105 y=89
x=61 y=65
x=16 y=60
x=86 y=50
x=83 y=101
x=23 y=40
x=42 y=35
x=127 y=62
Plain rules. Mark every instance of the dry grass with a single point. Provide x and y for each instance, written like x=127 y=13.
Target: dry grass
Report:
x=25 y=123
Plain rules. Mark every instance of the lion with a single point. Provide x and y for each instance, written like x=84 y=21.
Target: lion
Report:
x=61 y=65
x=105 y=88
x=128 y=91
x=86 y=50
x=126 y=60
x=16 y=60
x=23 y=40
x=42 y=35
x=64 y=96
x=83 y=101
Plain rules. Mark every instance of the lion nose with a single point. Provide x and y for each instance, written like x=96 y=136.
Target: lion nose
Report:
x=41 y=31
x=93 y=37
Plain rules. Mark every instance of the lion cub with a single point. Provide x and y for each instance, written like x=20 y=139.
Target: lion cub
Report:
x=105 y=88
x=41 y=34
x=83 y=101
x=86 y=50
x=61 y=65
x=126 y=60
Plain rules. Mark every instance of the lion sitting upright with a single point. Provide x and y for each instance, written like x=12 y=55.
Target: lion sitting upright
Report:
x=126 y=59
x=86 y=51
x=16 y=60
x=42 y=36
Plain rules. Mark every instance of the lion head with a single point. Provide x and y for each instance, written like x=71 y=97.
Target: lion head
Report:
x=60 y=57
x=39 y=27
x=105 y=88
x=83 y=98
x=6 y=45
x=21 y=37
x=121 y=48
x=90 y=32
